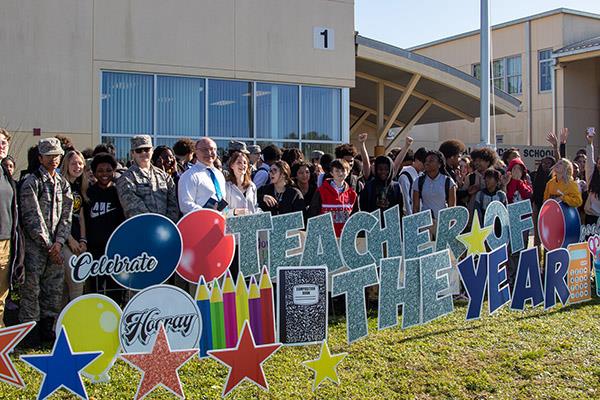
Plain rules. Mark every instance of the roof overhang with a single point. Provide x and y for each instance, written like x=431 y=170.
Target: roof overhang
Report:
x=433 y=91
x=576 y=56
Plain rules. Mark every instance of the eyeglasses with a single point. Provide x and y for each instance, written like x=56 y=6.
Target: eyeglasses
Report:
x=144 y=150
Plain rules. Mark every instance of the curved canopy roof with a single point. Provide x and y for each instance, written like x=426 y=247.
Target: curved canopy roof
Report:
x=416 y=89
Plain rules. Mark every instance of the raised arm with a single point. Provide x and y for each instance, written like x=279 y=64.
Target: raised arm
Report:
x=564 y=135
x=400 y=157
x=364 y=154
x=553 y=140
x=590 y=161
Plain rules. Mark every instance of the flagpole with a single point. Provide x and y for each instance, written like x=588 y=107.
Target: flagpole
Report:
x=484 y=135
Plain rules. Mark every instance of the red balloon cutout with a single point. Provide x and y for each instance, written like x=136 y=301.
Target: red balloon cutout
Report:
x=551 y=225
x=207 y=250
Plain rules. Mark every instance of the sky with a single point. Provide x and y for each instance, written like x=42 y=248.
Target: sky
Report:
x=406 y=23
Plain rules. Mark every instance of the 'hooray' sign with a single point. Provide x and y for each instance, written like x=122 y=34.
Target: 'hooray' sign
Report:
x=159 y=305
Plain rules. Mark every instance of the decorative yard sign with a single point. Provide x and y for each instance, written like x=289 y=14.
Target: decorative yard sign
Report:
x=233 y=319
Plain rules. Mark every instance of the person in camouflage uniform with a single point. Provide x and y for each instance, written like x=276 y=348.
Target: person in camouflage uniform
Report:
x=143 y=188
x=45 y=207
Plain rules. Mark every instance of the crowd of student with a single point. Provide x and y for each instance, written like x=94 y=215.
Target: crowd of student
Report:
x=68 y=202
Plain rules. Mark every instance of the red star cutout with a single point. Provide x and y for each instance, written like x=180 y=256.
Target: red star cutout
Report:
x=9 y=338
x=245 y=361
x=160 y=366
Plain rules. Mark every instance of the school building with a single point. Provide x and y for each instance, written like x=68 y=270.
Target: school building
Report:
x=294 y=73
x=549 y=61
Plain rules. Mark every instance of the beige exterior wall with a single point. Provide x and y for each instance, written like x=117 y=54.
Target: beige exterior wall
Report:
x=581 y=107
x=53 y=52
x=530 y=126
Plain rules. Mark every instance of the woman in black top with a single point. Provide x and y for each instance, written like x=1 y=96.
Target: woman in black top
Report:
x=306 y=181
x=103 y=214
x=280 y=196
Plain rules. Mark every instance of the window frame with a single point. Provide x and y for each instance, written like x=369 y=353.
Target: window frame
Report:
x=507 y=76
x=504 y=78
x=253 y=128
x=543 y=62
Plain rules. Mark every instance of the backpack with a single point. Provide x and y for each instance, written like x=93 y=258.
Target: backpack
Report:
x=421 y=182
x=410 y=179
x=262 y=168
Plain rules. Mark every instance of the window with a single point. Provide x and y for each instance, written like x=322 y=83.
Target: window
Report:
x=180 y=106
x=545 y=70
x=477 y=71
x=171 y=107
x=308 y=148
x=277 y=111
x=513 y=75
x=321 y=114
x=507 y=75
x=127 y=103
x=229 y=112
x=498 y=74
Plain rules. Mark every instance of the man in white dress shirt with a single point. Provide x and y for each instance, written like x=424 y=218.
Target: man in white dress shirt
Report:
x=203 y=185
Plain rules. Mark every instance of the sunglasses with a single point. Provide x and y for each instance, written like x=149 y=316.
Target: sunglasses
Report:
x=144 y=150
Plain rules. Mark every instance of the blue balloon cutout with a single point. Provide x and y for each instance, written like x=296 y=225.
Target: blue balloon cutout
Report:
x=156 y=236
x=572 y=224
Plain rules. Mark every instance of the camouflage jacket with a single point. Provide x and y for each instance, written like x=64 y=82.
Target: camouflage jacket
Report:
x=45 y=206
x=147 y=192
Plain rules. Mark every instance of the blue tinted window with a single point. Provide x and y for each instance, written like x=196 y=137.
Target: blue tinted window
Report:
x=229 y=112
x=545 y=74
x=122 y=146
x=127 y=103
x=276 y=111
x=321 y=113
x=180 y=106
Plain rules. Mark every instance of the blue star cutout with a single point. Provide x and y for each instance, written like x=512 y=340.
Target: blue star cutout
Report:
x=61 y=367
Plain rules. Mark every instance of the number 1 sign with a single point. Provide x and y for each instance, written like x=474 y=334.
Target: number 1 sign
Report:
x=323 y=38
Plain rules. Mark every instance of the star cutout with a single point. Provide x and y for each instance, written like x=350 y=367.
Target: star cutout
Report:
x=160 y=366
x=61 y=367
x=9 y=338
x=475 y=240
x=325 y=366
x=245 y=361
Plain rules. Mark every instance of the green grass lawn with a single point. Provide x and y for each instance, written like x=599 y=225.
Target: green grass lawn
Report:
x=532 y=355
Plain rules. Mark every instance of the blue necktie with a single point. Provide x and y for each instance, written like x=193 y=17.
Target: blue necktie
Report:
x=215 y=182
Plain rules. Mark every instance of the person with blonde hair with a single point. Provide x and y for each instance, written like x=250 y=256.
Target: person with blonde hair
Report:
x=562 y=186
x=72 y=169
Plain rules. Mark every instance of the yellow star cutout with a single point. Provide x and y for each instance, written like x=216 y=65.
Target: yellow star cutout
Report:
x=475 y=240
x=325 y=366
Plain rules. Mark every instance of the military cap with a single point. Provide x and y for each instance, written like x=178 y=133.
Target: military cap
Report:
x=141 y=142
x=50 y=147
x=254 y=149
x=235 y=145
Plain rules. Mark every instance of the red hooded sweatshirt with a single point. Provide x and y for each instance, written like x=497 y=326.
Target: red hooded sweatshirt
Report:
x=338 y=204
x=518 y=190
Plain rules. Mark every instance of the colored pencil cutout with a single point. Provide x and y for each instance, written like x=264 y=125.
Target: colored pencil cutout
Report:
x=216 y=317
x=241 y=302
x=266 y=303
x=229 y=311
x=254 y=307
x=203 y=302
